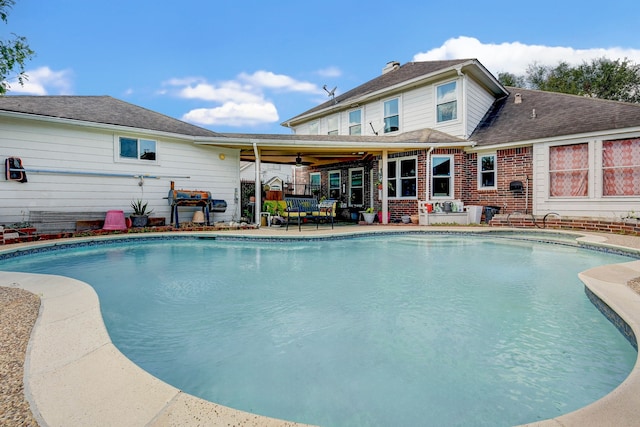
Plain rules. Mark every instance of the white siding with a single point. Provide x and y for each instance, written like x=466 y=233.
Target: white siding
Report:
x=417 y=109
x=478 y=103
x=49 y=146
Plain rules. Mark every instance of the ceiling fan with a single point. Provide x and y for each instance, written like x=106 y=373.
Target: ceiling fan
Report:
x=299 y=162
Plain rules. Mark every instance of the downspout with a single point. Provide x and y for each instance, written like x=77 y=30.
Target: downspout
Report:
x=427 y=195
x=464 y=101
x=258 y=186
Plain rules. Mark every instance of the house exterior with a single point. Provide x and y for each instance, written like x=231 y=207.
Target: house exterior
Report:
x=519 y=150
x=97 y=153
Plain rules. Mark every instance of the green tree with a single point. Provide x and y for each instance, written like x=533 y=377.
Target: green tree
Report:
x=13 y=52
x=616 y=80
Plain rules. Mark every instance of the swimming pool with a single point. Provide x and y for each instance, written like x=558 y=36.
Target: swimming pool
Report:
x=394 y=315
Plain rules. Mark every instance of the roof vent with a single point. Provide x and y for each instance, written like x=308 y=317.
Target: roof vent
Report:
x=518 y=99
x=391 y=65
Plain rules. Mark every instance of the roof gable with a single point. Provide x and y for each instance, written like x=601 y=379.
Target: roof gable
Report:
x=541 y=115
x=100 y=109
x=404 y=73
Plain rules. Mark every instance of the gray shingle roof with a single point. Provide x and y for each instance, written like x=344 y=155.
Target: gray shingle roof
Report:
x=100 y=109
x=408 y=71
x=556 y=114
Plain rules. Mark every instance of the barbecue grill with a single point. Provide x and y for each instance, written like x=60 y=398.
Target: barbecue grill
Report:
x=190 y=198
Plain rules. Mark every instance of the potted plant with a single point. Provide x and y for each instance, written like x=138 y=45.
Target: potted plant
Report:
x=369 y=214
x=141 y=212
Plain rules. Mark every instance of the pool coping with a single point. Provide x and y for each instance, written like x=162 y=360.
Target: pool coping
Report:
x=75 y=376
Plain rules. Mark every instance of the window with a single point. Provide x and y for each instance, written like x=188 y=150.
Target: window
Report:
x=402 y=178
x=313 y=128
x=569 y=170
x=332 y=125
x=621 y=167
x=441 y=176
x=391 y=116
x=355 y=122
x=487 y=172
x=447 y=102
x=334 y=185
x=138 y=149
x=356 y=187
x=315 y=183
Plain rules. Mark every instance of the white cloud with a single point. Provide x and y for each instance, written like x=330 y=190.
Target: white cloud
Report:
x=243 y=101
x=43 y=81
x=234 y=114
x=330 y=72
x=515 y=57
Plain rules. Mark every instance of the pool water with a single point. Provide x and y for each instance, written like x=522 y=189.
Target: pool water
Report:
x=394 y=330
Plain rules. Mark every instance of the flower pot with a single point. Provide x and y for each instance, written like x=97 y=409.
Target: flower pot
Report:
x=369 y=217
x=139 y=220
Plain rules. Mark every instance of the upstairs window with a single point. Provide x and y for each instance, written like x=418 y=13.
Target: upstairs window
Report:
x=442 y=177
x=137 y=149
x=487 y=172
x=391 y=116
x=355 y=122
x=313 y=128
x=332 y=125
x=447 y=102
x=621 y=167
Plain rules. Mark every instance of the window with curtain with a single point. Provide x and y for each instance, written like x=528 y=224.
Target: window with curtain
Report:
x=621 y=167
x=569 y=170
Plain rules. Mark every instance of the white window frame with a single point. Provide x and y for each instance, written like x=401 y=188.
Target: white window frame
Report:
x=140 y=142
x=353 y=124
x=444 y=102
x=385 y=117
x=494 y=171
x=451 y=177
x=397 y=179
x=315 y=176
x=333 y=130
x=352 y=187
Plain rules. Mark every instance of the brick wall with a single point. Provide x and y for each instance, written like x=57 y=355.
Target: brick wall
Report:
x=629 y=227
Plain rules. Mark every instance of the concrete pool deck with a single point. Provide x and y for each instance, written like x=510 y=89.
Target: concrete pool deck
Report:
x=75 y=376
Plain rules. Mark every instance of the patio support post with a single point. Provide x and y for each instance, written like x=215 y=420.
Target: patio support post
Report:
x=385 y=187
x=258 y=187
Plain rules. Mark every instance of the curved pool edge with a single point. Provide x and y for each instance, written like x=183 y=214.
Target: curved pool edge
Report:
x=74 y=375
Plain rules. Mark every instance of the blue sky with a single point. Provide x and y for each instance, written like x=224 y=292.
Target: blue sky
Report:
x=247 y=66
